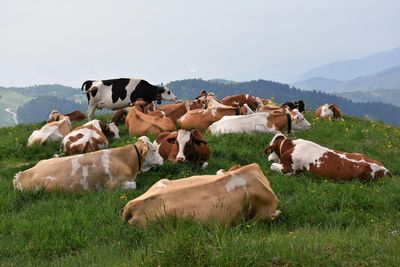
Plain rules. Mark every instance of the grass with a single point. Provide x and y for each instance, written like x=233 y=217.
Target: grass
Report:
x=322 y=223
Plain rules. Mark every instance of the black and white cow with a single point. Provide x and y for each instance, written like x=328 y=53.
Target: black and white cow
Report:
x=119 y=93
x=299 y=105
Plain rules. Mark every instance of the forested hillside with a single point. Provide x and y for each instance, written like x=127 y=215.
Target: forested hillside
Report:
x=282 y=92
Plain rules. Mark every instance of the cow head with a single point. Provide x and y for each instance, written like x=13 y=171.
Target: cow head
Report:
x=298 y=121
x=149 y=152
x=55 y=116
x=274 y=148
x=109 y=130
x=165 y=94
x=336 y=111
x=188 y=145
x=245 y=109
x=203 y=93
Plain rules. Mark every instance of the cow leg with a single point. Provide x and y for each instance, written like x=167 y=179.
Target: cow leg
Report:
x=276 y=167
x=128 y=185
x=91 y=110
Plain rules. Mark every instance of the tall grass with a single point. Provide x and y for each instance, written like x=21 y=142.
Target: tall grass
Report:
x=322 y=223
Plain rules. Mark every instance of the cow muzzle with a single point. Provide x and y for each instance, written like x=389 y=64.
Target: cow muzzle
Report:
x=180 y=159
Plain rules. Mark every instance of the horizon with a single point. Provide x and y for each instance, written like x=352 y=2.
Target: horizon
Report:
x=67 y=43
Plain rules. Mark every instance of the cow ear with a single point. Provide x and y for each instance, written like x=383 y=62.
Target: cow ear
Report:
x=269 y=150
x=145 y=150
x=198 y=136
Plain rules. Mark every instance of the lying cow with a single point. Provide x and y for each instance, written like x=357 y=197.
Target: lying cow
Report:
x=139 y=123
x=119 y=93
x=52 y=131
x=292 y=156
x=202 y=118
x=328 y=111
x=108 y=168
x=76 y=115
x=89 y=137
x=240 y=100
x=299 y=105
x=261 y=122
x=243 y=193
x=175 y=111
x=184 y=145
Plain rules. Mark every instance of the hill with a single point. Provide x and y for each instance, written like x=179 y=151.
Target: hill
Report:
x=322 y=223
x=385 y=96
x=186 y=89
x=39 y=108
x=386 y=79
x=350 y=69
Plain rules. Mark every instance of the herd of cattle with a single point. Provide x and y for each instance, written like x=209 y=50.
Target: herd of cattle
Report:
x=225 y=197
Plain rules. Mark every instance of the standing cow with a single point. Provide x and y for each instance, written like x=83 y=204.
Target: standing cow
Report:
x=119 y=93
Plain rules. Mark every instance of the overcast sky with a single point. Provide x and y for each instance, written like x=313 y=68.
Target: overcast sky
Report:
x=67 y=42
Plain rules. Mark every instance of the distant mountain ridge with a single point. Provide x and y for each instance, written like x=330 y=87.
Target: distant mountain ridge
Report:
x=350 y=69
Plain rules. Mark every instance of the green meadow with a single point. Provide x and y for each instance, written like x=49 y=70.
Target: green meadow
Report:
x=322 y=223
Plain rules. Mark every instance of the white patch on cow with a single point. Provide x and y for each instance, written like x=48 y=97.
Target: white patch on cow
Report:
x=182 y=138
x=251 y=123
x=75 y=165
x=164 y=115
x=95 y=123
x=129 y=185
x=213 y=111
x=247 y=96
x=50 y=178
x=187 y=106
x=161 y=185
x=234 y=182
x=274 y=158
x=105 y=161
x=276 y=213
x=306 y=153
x=85 y=174
x=276 y=167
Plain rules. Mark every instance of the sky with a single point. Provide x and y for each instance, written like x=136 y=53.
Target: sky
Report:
x=68 y=42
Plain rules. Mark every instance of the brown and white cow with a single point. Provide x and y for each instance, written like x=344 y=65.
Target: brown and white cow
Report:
x=243 y=193
x=184 y=145
x=139 y=123
x=328 y=111
x=76 y=115
x=240 y=100
x=104 y=169
x=202 y=118
x=52 y=131
x=89 y=137
x=260 y=122
x=292 y=156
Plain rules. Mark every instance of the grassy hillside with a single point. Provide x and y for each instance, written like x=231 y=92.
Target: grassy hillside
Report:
x=322 y=223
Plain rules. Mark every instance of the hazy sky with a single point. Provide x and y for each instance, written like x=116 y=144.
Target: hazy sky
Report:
x=67 y=42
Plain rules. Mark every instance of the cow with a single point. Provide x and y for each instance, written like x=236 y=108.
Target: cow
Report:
x=299 y=105
x=261 y=122
x=331 y=111
x=139 y=123
x=292 y=156
x=273 y=110
x=184 y=145
x=119 y=93
x=244 y=193
x=177 y=110
x=76 y=115
x=89 y=137
x=202 y=118
x=52 y=131
x=240 y=100
x=104 y=169
x=203 y=93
